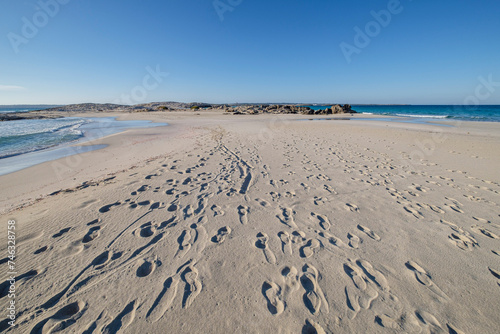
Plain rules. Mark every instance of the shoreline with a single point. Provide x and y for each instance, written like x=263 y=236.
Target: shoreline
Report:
x=93 y=129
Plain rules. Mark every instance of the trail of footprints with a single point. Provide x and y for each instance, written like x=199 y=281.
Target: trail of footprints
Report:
x=193 y=226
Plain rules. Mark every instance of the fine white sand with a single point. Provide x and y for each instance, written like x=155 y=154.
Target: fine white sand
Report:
x=261 y=224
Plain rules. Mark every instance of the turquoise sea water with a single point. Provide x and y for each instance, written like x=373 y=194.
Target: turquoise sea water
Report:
x=24 y=143
x=442 y=112
x=19 y=108
x=24 y=136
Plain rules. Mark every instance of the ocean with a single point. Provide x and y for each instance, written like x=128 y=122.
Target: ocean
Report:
x=23 y=108
x=486 y=113
x=24 y=143
x=24 y=136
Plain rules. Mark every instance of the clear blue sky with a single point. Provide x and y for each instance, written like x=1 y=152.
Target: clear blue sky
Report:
x=431 y=52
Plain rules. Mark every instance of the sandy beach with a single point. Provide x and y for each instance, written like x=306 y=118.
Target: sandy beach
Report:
x=224 y=223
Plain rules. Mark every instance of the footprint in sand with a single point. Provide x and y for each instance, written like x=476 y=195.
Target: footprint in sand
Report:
x=298 y=237
x=291 y=281
x=329 y=189
x=146 y=268
x=185 y=242
x=204 y=186
x=101 y=320
x=168 y=223
x=455 y=208
x=272 y=292
x=61 y=232
x=319 y=200
x=453 y=330
x=286 y=217
x=463 y=240
x=164 y=299
x=123 y=319
x=108 y=207
x=314 y=299
x=217 y=210
x=414 y=212
x=425 y=279
x=173 y=207
x=351 y=207
x=418 y=187
x=202 y=203
x=172 y=182
x=420 y=273
x=188 y=211
x=434 y=208
x=356 y=275
x=145 y=231
x=93 y=233
x=187 y=181
x=72 y=248
x=38 y=251
x=5 y=285
x=231 y=192
x=200 y=238
x=308 y=250
x=333 y=239
x=312 y=327
x=495 y=273
x=412 y=193
x=275 y=196
x=263 y=243
x=243 y=213
x=135 y=205
x=406 y=323
x=193 y=285
x=286 y=242
x=263 y=202
x=323 y=221
x=167 y=295
x=93 y=222
x=486 y=232
x=482 y=220
x=432 y=324
x=374 y=275
x=354 y=240
x=62 y=319
x=369 y=232
x=102 y=259
x=364 y=293
x=221 y=235
x=460 y=238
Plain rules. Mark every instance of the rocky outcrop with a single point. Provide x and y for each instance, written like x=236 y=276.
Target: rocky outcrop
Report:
x=335 y=109
x=285 y=109
x=241 y=109
x=23 y=115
